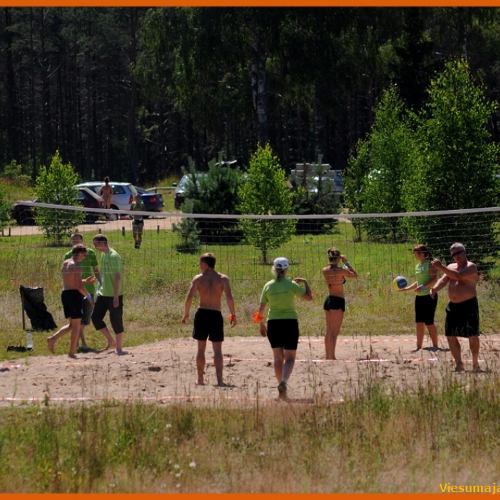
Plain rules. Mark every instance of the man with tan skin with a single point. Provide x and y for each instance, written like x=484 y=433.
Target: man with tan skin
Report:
x=72 y=297
x=462 y=312
x=208 y=321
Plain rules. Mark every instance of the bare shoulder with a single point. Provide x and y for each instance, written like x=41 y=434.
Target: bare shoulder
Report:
x=223 y=277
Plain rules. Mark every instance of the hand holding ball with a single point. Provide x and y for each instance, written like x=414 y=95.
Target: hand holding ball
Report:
x=399 y=282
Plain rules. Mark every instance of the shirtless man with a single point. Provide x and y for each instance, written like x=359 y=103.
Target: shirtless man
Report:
x=462 y=312
x=106 y=192
x=208 y=321
x=72 y=297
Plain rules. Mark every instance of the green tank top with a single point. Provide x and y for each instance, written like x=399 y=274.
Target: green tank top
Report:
x=423 y=275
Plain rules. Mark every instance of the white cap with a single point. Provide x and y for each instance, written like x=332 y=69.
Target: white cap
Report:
x=281 y=263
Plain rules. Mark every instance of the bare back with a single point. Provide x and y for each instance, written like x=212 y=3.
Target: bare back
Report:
x=335 y=279
x=460 y=290
x=210 y=286
x=71 y=275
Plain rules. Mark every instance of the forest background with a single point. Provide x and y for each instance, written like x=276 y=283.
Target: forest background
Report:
x=134 y=92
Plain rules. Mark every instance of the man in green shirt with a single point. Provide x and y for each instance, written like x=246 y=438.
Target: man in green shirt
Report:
x=110 y=295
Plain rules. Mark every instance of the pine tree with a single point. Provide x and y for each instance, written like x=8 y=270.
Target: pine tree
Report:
x=266 y=193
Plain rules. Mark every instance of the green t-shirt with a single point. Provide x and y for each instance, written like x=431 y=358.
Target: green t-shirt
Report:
x=111 y=263
x=138 y=207
x=88 y=265
x=423 y=275
x=280 y=295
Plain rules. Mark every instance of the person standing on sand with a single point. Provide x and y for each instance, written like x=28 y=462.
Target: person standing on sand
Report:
x=334 y=304
x=208 y=321
x=282 y=328
x=89 y=268
x=72 y=298
x=106 y=192
x=425 y=305
x=462 y=312
x=110 y=295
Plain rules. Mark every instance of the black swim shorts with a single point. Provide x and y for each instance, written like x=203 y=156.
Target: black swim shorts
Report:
x=208 y=324
x=334 y=302
x=72 y=301
x=462 y=319
x=425 y=308
x=283 y=333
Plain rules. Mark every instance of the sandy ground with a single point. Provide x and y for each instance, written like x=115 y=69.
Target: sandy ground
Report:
x=165 y=371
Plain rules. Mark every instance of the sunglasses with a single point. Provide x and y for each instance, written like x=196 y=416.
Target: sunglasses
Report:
x=456 y=253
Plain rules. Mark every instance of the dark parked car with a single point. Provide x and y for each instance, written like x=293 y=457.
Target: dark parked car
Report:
x=180 y=189
x=85 y=197
x=152 y=201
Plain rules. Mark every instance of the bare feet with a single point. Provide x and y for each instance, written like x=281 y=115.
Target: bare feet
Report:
x=72 y=356
x=200 y=382
x=50 y=345
x=476 y=367
x=459 y=367
x=111 y=345
x=120 y=352
x=417 y=349
x=221 y=384
x=332 y=359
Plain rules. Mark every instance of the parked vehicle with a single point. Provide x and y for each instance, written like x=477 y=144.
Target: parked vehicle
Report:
x=24 y=214
x=123 y=193
x=153 y=202
x=181 y=187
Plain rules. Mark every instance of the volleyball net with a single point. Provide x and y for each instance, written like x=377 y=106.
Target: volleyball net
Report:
x=379 y=246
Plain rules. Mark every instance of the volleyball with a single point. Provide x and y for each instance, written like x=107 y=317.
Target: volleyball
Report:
x=399 y=282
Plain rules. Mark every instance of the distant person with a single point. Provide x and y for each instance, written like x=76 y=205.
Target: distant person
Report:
x=208 y=321
x=106 y=192
x=138 y=220
x=282 y=325
x=425 y=305
x=110 y=295
x=462 y=312
x=72 y=298
x=334 y=304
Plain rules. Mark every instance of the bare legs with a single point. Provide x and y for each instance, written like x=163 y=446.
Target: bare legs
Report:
x=420 y=327
x=457 y=354
x=73 y=326
x=218 y=361
x=334 y=319
x=284 y=361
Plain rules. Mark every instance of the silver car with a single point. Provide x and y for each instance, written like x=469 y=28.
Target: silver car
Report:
x=123 y=193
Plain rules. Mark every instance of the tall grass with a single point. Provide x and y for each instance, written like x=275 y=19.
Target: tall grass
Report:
x=406 y=439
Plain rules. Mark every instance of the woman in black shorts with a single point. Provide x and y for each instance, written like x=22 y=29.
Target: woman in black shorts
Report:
x=282 y=325
x=334 y=305
x=425 y=305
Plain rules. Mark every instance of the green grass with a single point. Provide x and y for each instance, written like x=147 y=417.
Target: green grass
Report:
x=406 y=440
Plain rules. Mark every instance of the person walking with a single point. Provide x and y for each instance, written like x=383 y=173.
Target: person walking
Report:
x=334 y=305
x=72 y=298
x=208 y=321
x=138 y=220
x=425 y=305
x=282 y=328
x=462 y=311
x=110 y=295
x=89 y=268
